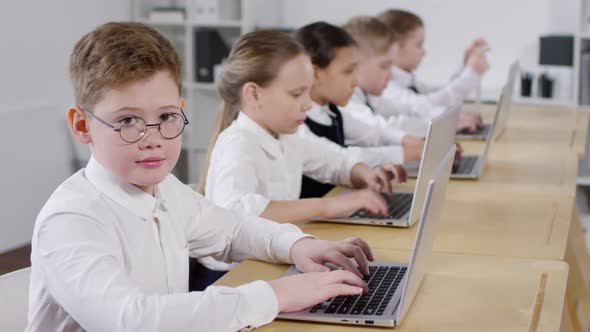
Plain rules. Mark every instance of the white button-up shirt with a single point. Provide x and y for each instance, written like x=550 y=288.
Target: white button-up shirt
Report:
x=374 y=143
x=358 y=108
x=357 y=132
x=107 y=256
x=431 y=101
x=249 y=167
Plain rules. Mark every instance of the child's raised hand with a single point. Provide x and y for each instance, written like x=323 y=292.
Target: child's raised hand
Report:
x=311 y=255
x=304 y=290
x=478 y=61
x=477 y=43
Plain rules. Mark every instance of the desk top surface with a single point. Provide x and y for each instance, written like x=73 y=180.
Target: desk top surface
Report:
x=458 y=293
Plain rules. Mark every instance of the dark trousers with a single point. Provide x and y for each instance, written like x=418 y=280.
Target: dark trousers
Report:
x=200 y=277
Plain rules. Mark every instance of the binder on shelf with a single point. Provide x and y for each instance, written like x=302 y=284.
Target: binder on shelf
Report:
x=210 y=50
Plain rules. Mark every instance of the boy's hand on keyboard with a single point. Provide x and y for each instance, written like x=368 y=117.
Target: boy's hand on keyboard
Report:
x=469 y=122
x=301 y=291
x=312 y=255
x=378 y=178
x=342 y=205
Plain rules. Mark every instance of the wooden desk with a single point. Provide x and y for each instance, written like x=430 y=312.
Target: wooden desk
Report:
x=459 y=293
x=514 y=166
x=547 y=125
x=510 y=224
x=496 y=238
x=522 y=175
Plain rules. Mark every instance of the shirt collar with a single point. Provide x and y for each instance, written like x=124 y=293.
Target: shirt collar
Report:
x=402 y=77
x=270 y=144
x=125 y=194
x=359 y=95
x=315 y=107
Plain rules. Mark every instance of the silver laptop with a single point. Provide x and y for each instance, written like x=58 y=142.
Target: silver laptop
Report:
x=404 y=206
x=392 y=286
x=484 y=132
x=481 y=134
x=470 y=167
x=506 y=101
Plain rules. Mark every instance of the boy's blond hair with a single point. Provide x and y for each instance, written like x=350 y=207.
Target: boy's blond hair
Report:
x=370 y=34
x=117 y=53
x=400 y=22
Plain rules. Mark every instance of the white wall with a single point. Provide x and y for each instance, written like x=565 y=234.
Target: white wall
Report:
x=511 y=27
x=37 y=37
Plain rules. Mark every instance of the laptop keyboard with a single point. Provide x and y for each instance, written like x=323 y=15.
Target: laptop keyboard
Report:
x=466 y=165
x=399 y=204
x=382 y=282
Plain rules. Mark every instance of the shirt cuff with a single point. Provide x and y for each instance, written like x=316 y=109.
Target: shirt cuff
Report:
x=352 y=158
x=260 y=305
x=470 y=77
x=286 y=240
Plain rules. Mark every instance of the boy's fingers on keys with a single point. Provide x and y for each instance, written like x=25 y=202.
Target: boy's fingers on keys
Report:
x=311 y=266
x=356 y=252
x=340 y=260
x=378 y=204
x=348 y=278
x=363 y=244
x=385 y=178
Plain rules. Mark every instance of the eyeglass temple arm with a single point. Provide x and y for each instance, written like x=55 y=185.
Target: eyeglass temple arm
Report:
x=101 y=120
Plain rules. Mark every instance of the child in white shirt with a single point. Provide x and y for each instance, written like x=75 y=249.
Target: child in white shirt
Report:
x=257 y=158
x=405 y=95
x=111 y=245
x=335 y=57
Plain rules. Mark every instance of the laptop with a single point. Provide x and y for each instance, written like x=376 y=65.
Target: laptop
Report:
x=392 y=286
x=470 y=167
x=481 y=134
x=507 y=100
x=484 y=132
x=405 y=206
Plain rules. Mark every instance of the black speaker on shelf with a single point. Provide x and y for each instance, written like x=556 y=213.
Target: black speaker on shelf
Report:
x=210 y=50
x=557 y=50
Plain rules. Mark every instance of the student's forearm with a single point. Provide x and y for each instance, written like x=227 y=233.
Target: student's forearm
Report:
x=358 y=175
x=297 y=211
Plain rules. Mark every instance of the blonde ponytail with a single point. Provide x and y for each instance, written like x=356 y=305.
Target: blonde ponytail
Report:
x=225 y=116
x=256 y=57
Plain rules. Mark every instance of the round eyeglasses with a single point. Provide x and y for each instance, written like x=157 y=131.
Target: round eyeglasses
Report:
x=133 y=128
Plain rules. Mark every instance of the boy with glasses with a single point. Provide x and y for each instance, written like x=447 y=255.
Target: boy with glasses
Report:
x=111 y=245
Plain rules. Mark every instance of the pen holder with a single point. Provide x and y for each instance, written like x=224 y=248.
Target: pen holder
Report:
x=526 y=85
x=546 y=85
